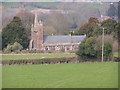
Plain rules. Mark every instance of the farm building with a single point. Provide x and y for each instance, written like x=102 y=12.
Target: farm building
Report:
x=39 y=41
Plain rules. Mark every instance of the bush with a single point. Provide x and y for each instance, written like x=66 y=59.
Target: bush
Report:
x=14 y=48
x=87 y=49
x=91 y=48
x=9 y=48
x=62 y=49
x=17 y=46
x=108 y=51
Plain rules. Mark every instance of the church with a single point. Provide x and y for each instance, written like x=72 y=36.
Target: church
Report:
x=39 y=41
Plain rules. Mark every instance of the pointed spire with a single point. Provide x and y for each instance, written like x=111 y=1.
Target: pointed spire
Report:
x=36 y=19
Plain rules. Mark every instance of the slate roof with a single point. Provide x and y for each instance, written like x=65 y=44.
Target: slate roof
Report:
x=59 y=39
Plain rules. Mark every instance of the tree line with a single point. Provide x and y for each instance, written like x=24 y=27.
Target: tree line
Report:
x=91 y=47
x=75 y=14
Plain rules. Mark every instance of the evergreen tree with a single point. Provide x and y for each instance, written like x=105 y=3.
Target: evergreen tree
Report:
x=111 y=27
x=15 y=32
x=88 y=28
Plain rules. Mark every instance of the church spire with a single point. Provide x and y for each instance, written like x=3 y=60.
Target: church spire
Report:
x=36 y=20
x=36 y=34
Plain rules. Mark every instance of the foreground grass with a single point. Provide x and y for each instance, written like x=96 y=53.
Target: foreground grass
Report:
x=35 y=56
x=0 y=77
x=79 y=75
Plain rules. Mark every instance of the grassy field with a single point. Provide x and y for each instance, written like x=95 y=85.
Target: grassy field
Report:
x=116 y=54
x=79 y=75
x=35 y=56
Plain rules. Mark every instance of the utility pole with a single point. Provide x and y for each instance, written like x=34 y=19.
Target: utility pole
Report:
x=103 y=44
x=102 y=35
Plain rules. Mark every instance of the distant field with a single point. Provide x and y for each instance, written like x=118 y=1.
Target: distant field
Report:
x=35 y=56
x=79 y=75
x=117 y=54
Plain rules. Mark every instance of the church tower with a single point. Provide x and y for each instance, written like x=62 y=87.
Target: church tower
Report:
x=36 y=35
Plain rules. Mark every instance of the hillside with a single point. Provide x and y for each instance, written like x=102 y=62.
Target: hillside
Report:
x=57 y=17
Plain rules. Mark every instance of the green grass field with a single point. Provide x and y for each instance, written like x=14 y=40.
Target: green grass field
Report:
x=79 y=75
x=35 y=56
x=116 y=54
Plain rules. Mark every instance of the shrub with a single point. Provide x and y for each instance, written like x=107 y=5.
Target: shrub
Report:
x=87 y=50
x=91 y=48
x=8 y=48
x=14 y=47
x=17 y=46
x=108 y=51
x=62 y=49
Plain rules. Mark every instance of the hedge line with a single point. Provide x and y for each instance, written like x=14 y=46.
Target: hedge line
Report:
x=49 y=61
x=117 y=59
x=41 y=61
